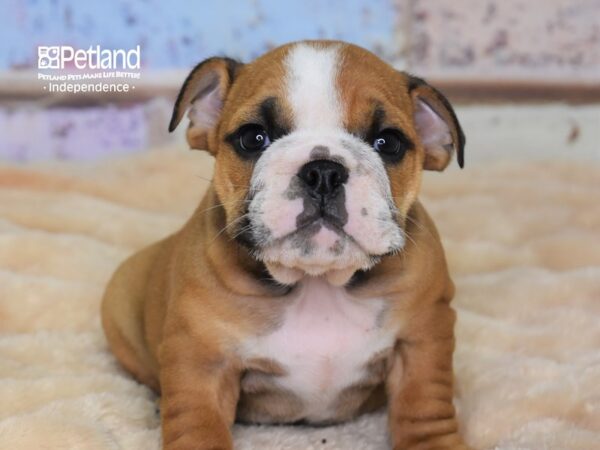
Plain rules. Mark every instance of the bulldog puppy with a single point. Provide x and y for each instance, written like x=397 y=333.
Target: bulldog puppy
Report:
x=310 y=284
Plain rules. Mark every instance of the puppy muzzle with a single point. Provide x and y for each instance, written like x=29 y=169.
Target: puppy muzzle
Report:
x=322 y=206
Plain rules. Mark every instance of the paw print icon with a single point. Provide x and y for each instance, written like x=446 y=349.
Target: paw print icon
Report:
x=48 y=57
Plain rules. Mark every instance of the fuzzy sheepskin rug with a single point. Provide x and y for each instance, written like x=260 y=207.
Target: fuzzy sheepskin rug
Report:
x=523 y=243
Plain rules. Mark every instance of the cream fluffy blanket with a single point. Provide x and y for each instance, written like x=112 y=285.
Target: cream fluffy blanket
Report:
x=523 y=243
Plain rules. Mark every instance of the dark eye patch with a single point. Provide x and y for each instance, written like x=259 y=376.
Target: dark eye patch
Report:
x=379 y=124
x=391 y=144
x=268 y=116
x=272 y=118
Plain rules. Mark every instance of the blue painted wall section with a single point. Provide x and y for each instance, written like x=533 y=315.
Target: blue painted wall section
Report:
x=179 y=33
x=173 y=34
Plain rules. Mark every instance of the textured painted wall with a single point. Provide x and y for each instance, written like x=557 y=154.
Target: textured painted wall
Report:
x=547 y=38
x=173 y=34
x=500 y=38
x=179 y=33
x=530 y=39
x=29 y=133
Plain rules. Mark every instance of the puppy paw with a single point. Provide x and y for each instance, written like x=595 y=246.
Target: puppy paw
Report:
x=198 y=441
x=422 y=446
x=197 y=446
x=443 y=442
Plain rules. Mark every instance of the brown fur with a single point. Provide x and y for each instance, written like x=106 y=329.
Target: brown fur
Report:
x=176 y=312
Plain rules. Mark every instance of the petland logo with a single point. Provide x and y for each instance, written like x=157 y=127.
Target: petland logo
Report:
x=94 y=62
x=92 y=58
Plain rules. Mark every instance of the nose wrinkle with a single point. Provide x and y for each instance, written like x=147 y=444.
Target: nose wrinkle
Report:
x=319 y=152
x=323 y=152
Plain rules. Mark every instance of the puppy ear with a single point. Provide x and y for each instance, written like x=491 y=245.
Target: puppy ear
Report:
x=203 y=94
x=437 y=125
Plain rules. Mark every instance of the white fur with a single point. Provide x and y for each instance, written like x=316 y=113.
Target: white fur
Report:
x=324 y=343
x=311 y=86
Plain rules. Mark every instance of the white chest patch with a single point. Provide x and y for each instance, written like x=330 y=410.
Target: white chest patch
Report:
x=324 y=342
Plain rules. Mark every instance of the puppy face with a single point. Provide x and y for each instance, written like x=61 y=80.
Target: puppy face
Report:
x=319 y=149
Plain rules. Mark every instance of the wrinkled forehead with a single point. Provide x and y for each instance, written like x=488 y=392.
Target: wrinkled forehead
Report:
x=319 y=86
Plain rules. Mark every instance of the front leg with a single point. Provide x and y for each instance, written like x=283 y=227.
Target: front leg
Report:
x=199 y=390
x=420 y=384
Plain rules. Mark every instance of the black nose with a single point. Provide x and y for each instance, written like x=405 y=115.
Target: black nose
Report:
x=322 y=177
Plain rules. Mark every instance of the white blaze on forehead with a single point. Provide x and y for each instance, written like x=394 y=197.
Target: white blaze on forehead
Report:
x=311 y=86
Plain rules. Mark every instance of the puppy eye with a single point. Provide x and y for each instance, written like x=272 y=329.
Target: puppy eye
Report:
x=253 y=138
x=389 y=143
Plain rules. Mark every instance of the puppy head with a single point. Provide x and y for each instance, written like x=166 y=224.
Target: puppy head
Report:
x=319 y=150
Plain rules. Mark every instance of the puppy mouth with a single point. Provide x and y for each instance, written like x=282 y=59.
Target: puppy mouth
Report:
x=321 y=242
x=321 y=218
x=308 y=229
x=319 y=245
x=305 y=229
